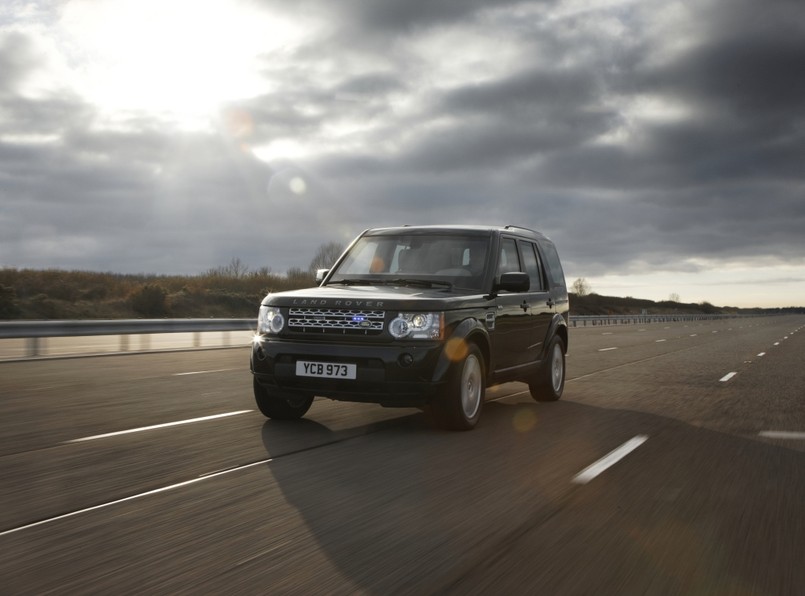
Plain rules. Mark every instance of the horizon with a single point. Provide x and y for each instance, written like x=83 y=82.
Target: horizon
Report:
x=284 y=275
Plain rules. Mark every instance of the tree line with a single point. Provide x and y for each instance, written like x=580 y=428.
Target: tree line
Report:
x=231 y=290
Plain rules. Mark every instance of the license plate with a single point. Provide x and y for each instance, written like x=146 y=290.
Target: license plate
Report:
x=328 y=370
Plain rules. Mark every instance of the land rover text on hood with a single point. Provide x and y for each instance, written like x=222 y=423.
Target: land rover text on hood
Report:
x=425 y=316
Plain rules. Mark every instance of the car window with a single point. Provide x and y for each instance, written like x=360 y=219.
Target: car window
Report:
x=554 y=265
x=508 y=260
x=456 y=258
x=531 y=264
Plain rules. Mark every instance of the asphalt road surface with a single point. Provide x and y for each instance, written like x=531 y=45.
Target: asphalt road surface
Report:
x=674 y=464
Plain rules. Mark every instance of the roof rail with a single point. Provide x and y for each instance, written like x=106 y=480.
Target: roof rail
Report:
x=519 y=228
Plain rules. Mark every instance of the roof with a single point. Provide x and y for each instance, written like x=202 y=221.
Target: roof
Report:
x=453 y=228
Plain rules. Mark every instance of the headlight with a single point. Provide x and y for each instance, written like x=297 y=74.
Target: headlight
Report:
x=417 y=325
x=270 y=320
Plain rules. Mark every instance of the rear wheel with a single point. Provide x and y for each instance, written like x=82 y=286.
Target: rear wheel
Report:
x=460 y=407
x=279 y=408
x=549 y=382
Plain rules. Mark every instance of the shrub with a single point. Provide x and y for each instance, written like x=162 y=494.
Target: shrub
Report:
x=150 y=301
x=8 y=307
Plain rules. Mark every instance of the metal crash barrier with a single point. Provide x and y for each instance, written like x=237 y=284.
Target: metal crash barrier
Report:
x=36 y=333
x=595 y=320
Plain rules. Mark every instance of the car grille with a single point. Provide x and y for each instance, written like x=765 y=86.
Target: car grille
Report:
x=330 y=320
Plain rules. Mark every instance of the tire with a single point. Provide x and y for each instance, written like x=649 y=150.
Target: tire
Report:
x=460 y=407
x=279 y=408
x=549 y=382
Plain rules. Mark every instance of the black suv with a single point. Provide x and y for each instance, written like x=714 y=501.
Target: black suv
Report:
x=425 y=316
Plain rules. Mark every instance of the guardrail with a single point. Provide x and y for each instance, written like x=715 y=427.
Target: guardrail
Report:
x=593 y=320
x=36 y=332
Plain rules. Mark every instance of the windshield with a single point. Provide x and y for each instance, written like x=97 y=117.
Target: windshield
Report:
x=447 y=260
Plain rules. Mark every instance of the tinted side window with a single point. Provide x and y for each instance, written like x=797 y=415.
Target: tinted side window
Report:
x=554 y=266
x=531 y=263
x=508 y=260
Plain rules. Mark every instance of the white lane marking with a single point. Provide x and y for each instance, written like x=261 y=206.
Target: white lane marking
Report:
x=782 y=434
x=609 y=460
x=659 y=341
x=133 y=497
x=607 y=333
x=693 y=334
x=727 y=377
x=777 y=343
x=203 y=372
x=606 y=349
x=155 y=426
x=761 y=354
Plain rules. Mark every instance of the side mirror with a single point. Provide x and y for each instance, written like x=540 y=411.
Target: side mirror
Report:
x=321 y=274
x=514 y=281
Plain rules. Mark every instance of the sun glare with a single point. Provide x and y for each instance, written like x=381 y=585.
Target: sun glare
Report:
x=180 y=59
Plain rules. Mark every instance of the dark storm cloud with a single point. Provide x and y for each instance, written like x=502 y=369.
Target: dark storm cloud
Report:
x=392 y=16
x=400 y=15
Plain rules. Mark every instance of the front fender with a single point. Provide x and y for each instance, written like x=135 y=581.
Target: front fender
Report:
x=454 y=347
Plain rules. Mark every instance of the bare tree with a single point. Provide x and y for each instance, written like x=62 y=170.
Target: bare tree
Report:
x=236 y=268
x=326 y=256
x=674 y=297
x=581 y=287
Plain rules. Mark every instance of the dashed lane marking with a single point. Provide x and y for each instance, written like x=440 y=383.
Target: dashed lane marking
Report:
x=727 y=377
x=132 y=497
x=609 y=460
x=203 y=372
x=155 y=426
x=782 y=434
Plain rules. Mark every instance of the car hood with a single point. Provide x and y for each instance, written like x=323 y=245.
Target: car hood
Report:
x=375 y=297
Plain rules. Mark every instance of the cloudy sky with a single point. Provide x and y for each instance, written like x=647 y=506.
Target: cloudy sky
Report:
x=659 y=143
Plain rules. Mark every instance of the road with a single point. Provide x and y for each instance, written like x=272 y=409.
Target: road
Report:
x=674 y=464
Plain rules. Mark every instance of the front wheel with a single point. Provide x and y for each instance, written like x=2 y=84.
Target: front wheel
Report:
x=460 y=407
x=278 y=408
x=549 y=382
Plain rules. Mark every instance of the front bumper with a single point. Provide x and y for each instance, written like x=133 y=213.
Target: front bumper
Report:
x=398 y=375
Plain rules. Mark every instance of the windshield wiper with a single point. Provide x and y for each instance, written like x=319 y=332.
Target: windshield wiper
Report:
x=354 y=282
x=399 y=281
x=425 y=283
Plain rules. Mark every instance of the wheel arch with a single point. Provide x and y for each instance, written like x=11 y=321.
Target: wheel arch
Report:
x=470 y=330
x=559 y=327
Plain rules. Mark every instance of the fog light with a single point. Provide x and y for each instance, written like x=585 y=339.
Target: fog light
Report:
x=405 y=360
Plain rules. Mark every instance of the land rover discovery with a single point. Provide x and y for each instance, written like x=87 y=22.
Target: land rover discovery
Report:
x=425 y=316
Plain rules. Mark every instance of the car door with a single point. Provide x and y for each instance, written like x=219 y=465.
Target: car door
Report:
x=512 y=336
x=538 y=299
x=556 y=278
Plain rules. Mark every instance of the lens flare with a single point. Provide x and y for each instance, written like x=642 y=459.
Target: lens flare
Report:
x=456 y=349
x=524 y=420
x=297 y=185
